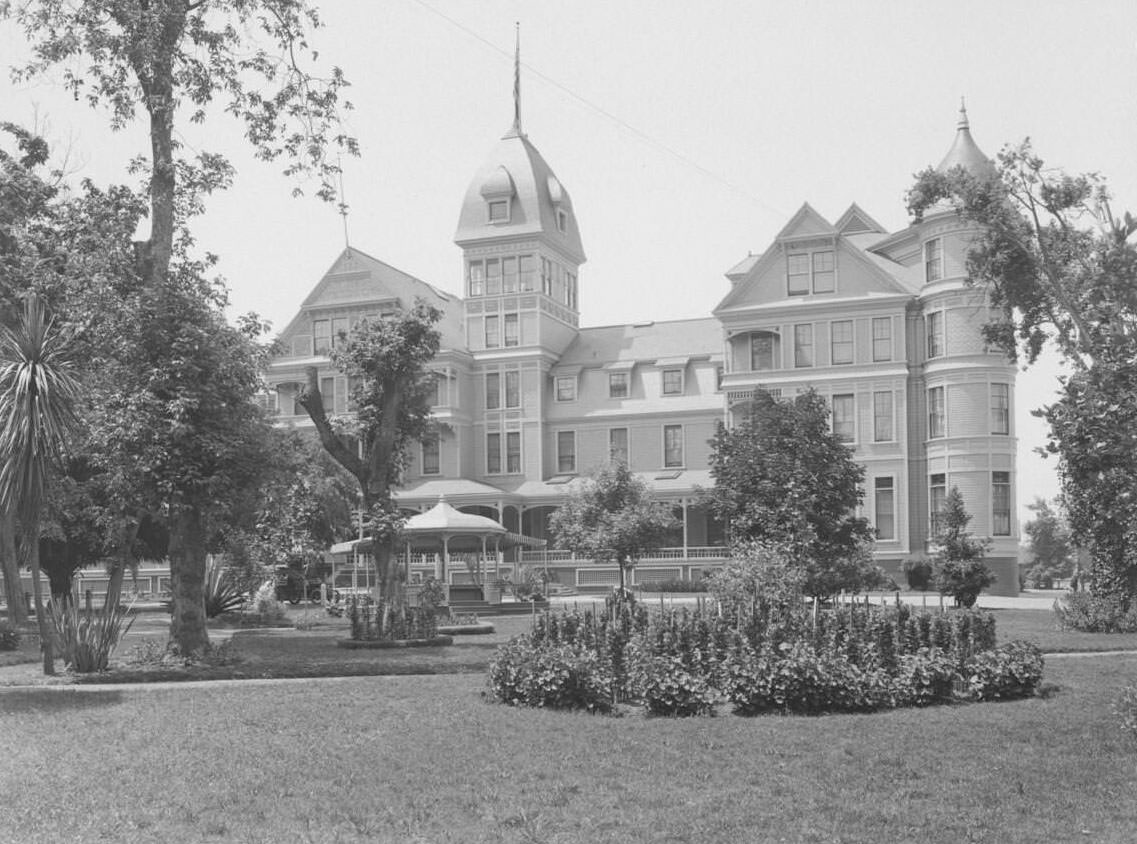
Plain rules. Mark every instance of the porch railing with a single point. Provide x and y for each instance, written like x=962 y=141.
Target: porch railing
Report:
x=556 y=555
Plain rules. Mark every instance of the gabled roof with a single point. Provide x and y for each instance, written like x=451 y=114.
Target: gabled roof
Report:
x=806 y=223
x=856 y=221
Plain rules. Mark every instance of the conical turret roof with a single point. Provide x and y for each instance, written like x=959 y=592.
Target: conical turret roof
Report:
x=965 y=152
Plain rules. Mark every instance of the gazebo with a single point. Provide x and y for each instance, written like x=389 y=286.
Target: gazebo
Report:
x=445 y=530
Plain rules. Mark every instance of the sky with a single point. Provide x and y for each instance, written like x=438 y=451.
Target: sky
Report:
x=686 y=133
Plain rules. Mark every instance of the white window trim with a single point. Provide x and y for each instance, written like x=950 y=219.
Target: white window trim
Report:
x=575 y=460
x=490 y=201
x=556 y=390
x=873 y=339
x=892 y=403
x=833 y=416
x=895 y=508
x=852 y=342
x=422 y=465
x=1010 y=502
x=946 y=415
x=627 y=384
x=500 y=451
x=505 y=453
x=941 y=314
x=663 y=382
x=627 y=442
x=991 y=408
x=682 y=445
x=939 y=242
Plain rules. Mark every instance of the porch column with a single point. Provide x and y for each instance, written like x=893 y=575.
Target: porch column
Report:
x=683 y=502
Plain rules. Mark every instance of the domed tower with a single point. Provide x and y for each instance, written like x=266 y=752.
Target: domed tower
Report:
x=521 y=255
x=967 y=387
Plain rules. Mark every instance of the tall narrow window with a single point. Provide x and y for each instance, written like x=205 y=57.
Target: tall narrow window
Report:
x=933 y=260
x=546 y=276
x=328 y=393
x=797 y=274
x=513 y=452
x=433 y=388
x=493 y=331
x=566 y=388
x=842 y=341
x=566 y=451
x=823 y=272
x=673 y=382
x=844 y=424
x=340 y=327
x=1000 y=408
x=528 y=266
x=617 y=385
x=884 y=496
x=672 y=446
x=512 y=330
x=882 y=417
x=937 y=496
x=509 y=275
x=1001 y=503
x=513 y=388
x=493 y=276
x=763 y=351
x=881 y=338
x=936 y=412
x=618 y=444
x=493 y=390
x=935 y=326
x=803 y=345
x=321 y=336
x=493 y=454
x=477 y=278
x=430 y=455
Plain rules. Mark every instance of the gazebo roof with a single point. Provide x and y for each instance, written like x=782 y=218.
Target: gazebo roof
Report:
x=444 y=519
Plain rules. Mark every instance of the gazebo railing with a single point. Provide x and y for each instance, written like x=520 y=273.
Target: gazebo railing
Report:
x=560 y=555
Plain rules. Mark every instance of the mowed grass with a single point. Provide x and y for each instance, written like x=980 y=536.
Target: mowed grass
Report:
x=1041 y=627
x=426 y=759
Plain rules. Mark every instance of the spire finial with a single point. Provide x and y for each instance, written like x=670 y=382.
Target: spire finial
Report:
x=963 y=124
x=517 y=80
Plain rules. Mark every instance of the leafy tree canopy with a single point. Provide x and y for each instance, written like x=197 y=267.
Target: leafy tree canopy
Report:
x=612 y=518
x=783 y=477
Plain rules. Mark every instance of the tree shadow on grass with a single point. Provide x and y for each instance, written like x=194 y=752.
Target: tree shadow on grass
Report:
x=58 y=699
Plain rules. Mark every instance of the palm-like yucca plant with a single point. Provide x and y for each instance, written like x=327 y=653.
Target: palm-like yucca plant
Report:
x=222 y=593
x=39 y=398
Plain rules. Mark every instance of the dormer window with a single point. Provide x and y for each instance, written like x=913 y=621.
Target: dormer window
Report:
x=498 y=210
x=562 y=221
x=810 y=272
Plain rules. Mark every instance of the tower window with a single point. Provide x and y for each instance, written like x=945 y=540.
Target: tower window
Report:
x=498 y=210
x=937 y=497
x=512 y=330
x=562 y=221
x=1001 y=503
x=935 y=326
x=933 y=260
x=935 y=412
x=1000 y=408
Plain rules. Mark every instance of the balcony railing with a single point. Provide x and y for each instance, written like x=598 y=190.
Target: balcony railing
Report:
x=706 y=552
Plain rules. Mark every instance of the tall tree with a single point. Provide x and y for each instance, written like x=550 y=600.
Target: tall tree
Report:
x=173 y=60
x=1061 y=269
x=958 y=561
x=783 y=477
x=39 y=399
x=386 y=359
x=1050 y=546
x=612 y=519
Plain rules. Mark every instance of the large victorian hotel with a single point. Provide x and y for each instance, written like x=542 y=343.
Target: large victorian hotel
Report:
x=881 y=324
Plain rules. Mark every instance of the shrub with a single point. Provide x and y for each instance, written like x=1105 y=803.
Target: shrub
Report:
x=387 y=621
x=800 y=680
x=675 y=585
x=963 y=580
x=1091 y=613
x=86 y=640
x=550 y=675
x=264 y=605
x=918 y=573
x=9 y=637
x=1009 y=671
x=1040 y=577
x=924 y=678
x=667 y=687
x=1126 y=709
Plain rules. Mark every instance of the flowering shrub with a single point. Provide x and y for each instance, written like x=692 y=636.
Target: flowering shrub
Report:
x=1092 y=613
x=1126 y=709
x=667 y=687
x=924 y=678
x=1009 y=671
x=9 y=637
x=557 y=676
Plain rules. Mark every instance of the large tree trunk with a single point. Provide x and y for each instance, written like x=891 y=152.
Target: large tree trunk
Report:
x=13 y=589
x=46 y=633
x=187 y=579
x=124 y=559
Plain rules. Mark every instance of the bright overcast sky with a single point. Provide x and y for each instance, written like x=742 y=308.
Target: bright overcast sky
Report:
x=686 y=133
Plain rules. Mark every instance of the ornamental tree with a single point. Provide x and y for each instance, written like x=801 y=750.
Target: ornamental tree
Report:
x=386 y=359
x=1049 y=540
x=1060 y=268
x=958 y=562
x=612 y=518
x=783 y=477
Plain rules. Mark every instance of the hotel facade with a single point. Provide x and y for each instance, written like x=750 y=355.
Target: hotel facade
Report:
x=883 y=325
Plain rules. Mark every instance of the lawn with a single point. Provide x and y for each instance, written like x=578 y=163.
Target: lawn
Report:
x=425 y=759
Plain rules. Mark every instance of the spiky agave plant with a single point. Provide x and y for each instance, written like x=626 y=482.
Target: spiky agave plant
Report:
x=39 y=399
